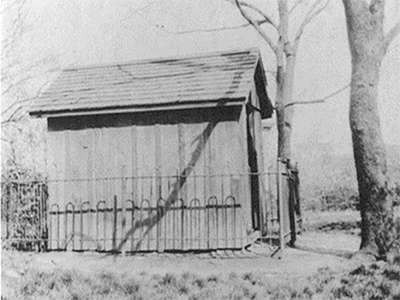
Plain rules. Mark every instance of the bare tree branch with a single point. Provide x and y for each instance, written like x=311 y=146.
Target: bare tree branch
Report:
x=266 y=20
x=295 y=6
x=19 y=102
x=311 y=14
x=256 y=26
x=263 y=14
x=259 y=22
x=265 y=17
x=390 y=36
x=12 y=117
x=12 y=85
x=16 y=28
x=321 y=99
x=19 y=106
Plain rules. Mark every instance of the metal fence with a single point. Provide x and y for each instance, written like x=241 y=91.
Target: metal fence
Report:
x=142 y=227
x=148 y=213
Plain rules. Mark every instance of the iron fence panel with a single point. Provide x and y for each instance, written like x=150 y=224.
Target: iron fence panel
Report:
x=147 y=213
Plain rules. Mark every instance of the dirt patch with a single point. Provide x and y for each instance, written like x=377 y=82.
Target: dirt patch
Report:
x=315 y=249
x=290 y=263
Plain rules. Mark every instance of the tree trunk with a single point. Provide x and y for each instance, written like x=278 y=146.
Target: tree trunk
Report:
x=366 y=40
x=284 y=83
x=284 y=114
x=283 y=131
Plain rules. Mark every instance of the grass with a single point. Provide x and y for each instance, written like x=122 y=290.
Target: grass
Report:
x=374 y=281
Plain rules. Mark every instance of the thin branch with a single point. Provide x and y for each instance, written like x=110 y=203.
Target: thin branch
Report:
x=16 y=103
x=244 y=25
x=14 y=84
x=390 y=36
x=256 y=26
x=295 y=6
x=263 y=14
x=321 y=99
x=266 y=19
x=20 y=107
x=311 y=14
x=12 y=117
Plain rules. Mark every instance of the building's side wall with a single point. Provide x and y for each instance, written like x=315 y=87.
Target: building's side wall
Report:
x=89 y=157
x=258 y=144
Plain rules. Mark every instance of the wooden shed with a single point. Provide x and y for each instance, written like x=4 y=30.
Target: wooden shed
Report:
x=160 y=154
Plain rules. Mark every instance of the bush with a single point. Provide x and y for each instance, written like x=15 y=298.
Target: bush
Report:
x=328 y=180
x=23 y=207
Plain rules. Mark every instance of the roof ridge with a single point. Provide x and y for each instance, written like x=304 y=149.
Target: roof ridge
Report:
x=166 y=58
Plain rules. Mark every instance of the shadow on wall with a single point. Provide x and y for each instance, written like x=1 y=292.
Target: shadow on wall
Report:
x=151 y=221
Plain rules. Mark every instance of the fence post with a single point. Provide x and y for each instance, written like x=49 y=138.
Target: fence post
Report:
x=292 y=218
x=114 y=239
x=280 y=206
x=123 y=199
x=9 y=191
x=299 y=218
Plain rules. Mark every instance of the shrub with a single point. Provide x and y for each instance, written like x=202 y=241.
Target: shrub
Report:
x=23 y=206
x=328 y=181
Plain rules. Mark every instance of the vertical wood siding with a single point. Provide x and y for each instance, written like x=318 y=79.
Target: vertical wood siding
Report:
x=130 y=155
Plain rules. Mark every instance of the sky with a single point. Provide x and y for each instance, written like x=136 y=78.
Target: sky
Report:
x=81 y=32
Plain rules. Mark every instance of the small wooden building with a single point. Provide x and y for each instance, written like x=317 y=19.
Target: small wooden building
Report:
x=160 y=154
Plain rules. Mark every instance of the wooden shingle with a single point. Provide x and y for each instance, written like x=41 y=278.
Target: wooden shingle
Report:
x=158 y=83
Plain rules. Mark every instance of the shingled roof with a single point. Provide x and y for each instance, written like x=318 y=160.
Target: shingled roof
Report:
x=157 y=83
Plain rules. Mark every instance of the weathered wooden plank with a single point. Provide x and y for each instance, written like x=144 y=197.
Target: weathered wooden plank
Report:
x=158 y=161
x=198 y=140
x=134 y=163
x=182 y=189
x=147 y=186
x=134 y=232
x=56 y=166
x=168 y=166
x=67 y=167
x=90 y=185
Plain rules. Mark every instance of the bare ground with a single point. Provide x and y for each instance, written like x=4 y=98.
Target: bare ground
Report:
x=317 y=247
x=328 y=240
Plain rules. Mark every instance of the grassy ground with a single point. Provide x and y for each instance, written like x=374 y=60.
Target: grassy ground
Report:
x=318 y=268
x=375 y=281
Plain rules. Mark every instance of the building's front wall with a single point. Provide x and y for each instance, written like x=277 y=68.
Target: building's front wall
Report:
x=151 y=159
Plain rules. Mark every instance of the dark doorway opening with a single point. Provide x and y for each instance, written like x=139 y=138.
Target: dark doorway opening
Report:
x=253 y=165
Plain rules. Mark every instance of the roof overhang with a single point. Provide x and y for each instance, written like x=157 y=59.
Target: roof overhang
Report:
x=139 y=108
